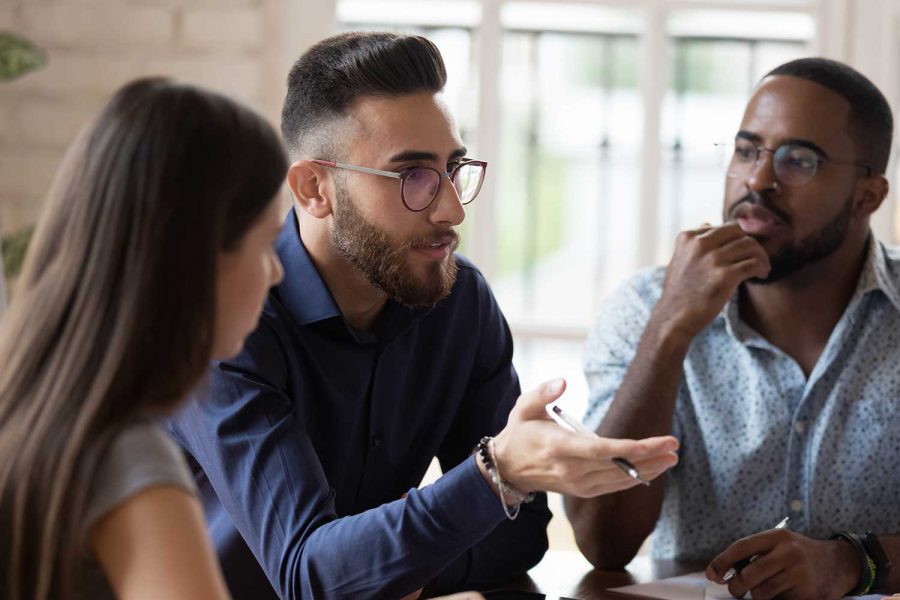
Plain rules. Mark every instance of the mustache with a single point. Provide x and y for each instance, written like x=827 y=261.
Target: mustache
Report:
x=764 y=200
x=436 y=237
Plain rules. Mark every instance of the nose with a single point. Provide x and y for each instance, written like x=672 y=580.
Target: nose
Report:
x=761 y=174
x=447 y=208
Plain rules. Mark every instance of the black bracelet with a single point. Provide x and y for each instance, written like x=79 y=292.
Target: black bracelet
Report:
x=882 y=562
x=867 y=572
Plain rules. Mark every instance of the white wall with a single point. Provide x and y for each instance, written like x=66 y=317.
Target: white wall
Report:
x=240 y=47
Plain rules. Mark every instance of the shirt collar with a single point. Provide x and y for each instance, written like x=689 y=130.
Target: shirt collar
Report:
x=308 y=299
x=881 y=272
x=302 y=290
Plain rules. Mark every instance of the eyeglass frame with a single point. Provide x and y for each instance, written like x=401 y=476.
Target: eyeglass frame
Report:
x=404 y=173
x=819 y=159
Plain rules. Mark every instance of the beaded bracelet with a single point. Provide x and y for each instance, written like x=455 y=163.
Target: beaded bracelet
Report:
x=485 y=450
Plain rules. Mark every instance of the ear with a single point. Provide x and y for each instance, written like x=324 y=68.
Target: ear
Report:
x=312 y=187
x=870 y=193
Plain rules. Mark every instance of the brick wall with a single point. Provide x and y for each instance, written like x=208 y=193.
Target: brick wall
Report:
x=240 y=47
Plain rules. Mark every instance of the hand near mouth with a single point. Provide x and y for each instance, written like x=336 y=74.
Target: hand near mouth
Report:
x=756 y=220
x=707 y=267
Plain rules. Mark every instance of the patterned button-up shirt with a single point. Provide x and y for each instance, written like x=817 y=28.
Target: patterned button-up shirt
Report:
x=760 y=441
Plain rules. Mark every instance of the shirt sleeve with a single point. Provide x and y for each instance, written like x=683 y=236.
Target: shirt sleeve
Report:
x=613 y=342
x=252 y=445
x=141 y=457
x=514 y=546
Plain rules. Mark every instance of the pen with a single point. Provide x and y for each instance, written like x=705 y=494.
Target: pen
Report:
x=739 y=565
x=569 y=423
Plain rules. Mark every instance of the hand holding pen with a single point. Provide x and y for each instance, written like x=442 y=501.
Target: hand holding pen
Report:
x=741 y=564
x=780 y=563
x=557 y=414
x=535 y=453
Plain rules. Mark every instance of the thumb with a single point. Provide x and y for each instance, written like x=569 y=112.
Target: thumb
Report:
x=532 y=405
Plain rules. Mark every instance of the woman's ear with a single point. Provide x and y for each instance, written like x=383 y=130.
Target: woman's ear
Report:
x=312 y=188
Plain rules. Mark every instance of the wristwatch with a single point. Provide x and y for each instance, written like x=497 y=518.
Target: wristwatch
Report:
x=878 y=556
x=874 y=564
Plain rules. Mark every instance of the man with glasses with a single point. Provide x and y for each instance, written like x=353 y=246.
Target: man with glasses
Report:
x=380 y=351
x=770 y=347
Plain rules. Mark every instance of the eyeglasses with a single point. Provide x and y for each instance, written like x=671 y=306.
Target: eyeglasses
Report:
x=794 y=164
x=419 y=186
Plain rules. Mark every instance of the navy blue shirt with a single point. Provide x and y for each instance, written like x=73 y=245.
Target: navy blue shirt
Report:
x=304 y=445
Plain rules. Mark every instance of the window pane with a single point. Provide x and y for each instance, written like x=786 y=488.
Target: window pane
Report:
x=570 y=136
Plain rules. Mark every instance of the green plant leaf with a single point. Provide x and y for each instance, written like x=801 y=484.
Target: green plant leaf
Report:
x=14 y=247
x=18 y=56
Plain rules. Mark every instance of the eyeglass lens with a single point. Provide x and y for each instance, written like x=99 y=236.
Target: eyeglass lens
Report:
x=420 y=186
x=794 y=165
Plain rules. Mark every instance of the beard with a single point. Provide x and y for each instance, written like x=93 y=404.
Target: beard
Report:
x=815 y=247
x=384 y=263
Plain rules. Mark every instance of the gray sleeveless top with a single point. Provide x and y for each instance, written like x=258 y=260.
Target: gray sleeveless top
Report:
x=143 y=456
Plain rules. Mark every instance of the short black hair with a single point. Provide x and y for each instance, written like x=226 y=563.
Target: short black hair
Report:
x=871 y=121
x=338 y=70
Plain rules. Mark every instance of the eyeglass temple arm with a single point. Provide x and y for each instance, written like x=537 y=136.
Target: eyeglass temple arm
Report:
x=339 y=165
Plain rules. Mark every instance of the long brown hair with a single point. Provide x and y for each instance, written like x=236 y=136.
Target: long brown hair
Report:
x=114 y=314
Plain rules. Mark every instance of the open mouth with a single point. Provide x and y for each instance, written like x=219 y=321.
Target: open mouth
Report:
x=436 y=250
x=756 y=220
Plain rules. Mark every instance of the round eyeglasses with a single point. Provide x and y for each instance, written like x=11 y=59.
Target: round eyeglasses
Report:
x=419 y=186
x=794 y=164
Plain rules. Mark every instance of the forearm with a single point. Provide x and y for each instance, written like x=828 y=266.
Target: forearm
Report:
x=508 y=551
x=645 y=401
x=610 y=529
x=393 y=549
x=891 y=545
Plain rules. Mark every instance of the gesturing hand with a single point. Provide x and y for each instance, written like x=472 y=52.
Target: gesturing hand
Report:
x=534 y=453
x=789 y=566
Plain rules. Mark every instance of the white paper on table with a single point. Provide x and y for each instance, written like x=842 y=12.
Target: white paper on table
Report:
x=684 y=587
x=693 y=586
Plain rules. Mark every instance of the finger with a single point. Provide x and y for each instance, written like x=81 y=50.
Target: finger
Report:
x=721 y=235
x=751 y=267
x=740 y=249
x=617 y=482
x=699 y=230
x=654 y=466
x=532 y=405
x=607 y=483
x=774 y=586
x=603 y=449
x=747 y=579
x=760 y=543
x=612 y=479
x=764 y=568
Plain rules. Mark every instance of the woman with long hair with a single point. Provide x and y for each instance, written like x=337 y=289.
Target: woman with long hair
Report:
x=154 y=254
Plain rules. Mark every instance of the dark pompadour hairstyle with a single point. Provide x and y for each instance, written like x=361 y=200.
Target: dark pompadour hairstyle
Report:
x=871 y=122
x=338 y=70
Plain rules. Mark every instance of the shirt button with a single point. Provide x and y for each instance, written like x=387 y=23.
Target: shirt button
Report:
x=376 y=441
x=800 y=426
x=796 y=505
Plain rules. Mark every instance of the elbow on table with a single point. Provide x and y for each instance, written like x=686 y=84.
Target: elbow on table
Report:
x=604 y=555
x=603 y=548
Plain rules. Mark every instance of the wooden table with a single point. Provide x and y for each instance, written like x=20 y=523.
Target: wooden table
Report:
x=568 y=574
